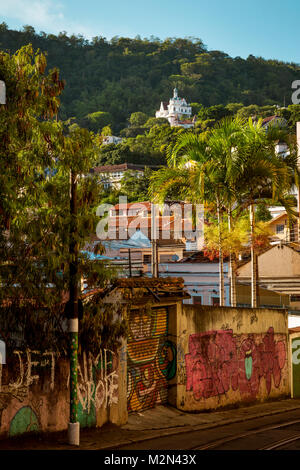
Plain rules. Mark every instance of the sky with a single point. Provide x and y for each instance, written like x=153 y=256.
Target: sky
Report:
x=268 y=28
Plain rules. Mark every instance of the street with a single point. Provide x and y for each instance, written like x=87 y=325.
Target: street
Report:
x=255 y=434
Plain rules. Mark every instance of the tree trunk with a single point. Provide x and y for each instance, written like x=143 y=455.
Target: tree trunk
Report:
x=221 y=270
x=232 y=269
x=254 y=276
x=154 y=258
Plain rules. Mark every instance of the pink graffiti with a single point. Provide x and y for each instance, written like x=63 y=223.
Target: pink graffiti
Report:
x=219 y=361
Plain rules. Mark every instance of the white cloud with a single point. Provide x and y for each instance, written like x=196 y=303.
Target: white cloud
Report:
x=43 y=15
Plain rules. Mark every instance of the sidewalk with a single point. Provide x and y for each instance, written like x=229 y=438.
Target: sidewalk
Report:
x=157 y=422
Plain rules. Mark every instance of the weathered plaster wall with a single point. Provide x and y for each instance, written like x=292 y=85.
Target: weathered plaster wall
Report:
x=34 y=391
x=229 y=355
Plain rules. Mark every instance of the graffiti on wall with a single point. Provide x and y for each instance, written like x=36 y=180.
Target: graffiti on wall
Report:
x=151 y=359
x=25 y=373
x=219 y=361
x=26 y=419
x=97 y=386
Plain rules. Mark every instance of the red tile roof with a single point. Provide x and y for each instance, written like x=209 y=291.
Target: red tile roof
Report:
x=121 y=167
x=200 y=257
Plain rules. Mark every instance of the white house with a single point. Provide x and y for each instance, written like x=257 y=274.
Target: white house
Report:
x=111 y=175
x=111 y=139
x=178 y=112
x=200 y=275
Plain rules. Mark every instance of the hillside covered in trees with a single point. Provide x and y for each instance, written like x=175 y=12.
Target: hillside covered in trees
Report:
x=108 y=80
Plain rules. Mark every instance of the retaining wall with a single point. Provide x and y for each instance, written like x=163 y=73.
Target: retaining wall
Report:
x=34 y=391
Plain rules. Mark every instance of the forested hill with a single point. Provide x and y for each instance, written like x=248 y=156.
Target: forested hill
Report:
x=121 y=76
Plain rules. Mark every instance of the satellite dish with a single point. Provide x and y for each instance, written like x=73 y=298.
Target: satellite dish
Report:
x=175 y=258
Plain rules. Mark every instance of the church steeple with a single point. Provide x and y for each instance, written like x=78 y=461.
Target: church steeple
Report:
x=178 y=112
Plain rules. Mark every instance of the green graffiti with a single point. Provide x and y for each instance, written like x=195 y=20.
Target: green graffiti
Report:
x=87 y=418
x=248 y=366
x=25 y=420
x=172 y=359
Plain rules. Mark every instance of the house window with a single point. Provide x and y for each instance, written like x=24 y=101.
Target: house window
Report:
x=147 y=259
x=295 y=298
x=279 y=228
x=132 y=212
x=197 y=300
x=215 y=301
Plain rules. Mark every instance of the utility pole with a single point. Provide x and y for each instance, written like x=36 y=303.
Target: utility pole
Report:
x=154 y=257
x=74 y=426
x=254 y=260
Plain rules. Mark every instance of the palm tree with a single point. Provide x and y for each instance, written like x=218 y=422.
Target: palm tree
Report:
x=197 y=166
x=224 y=141
x=257 y=172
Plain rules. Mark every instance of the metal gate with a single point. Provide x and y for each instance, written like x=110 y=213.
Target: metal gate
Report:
x=148 y=359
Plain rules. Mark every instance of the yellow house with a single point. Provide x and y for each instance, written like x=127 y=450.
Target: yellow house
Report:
x=278 y=270
x=282 y=229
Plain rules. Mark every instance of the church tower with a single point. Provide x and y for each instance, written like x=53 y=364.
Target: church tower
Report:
x=178 y=111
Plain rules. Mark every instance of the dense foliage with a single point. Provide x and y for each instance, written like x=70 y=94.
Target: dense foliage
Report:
x=122 y=76
x=37 y=153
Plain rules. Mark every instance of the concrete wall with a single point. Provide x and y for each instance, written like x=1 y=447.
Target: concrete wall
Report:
x=229 y=355
x=34 y=391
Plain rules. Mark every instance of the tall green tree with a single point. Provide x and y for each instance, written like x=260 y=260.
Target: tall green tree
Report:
x=37 y=154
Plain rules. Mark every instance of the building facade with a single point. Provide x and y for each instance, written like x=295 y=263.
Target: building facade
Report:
x=111 y=175
x=178 y=112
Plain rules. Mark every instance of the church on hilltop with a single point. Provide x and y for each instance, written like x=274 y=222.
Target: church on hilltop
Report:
x=177 y=112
